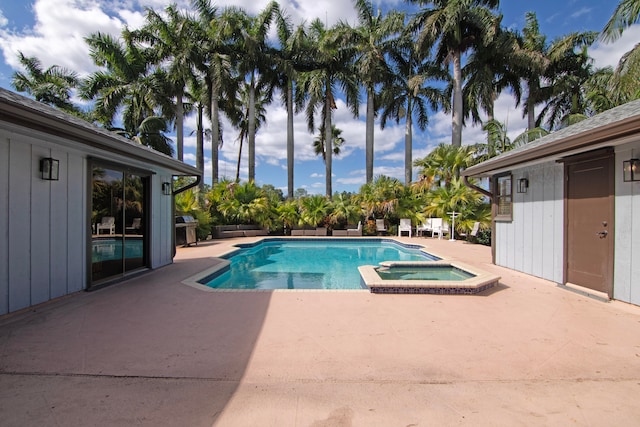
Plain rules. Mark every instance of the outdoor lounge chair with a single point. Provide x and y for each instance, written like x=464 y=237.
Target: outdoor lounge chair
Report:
x=436 y=227
x=106 y=223
x=135 y=226
x=405 y=225
x=425 y=226
x=380 y=227
x=475 y=229
x=355 y=231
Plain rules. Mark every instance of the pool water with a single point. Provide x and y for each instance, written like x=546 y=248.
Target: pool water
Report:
x=424 y=273
x=111 y=249
x=309 y=264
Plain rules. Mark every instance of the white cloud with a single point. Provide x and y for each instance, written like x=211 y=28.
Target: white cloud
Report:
x=609 y=54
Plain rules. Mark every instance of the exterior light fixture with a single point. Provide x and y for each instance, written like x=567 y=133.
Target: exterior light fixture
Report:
x=523 y=185
x=50 y=169
x=166 y=188
x=631 y=170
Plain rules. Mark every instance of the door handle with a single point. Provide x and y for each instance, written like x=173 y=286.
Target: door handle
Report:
x=602 y=234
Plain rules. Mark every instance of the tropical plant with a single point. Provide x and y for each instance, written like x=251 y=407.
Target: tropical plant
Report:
x=487 y=73
x=52 y=86
x=497 y=142
x=626 y=14
x=259 y=103
x=187 y=203
x=380 y=198
x=125 y=84
x=172 y=41
x=214 y=53
x=314 y=210
x=372 y=39
x=453 y=27
x=408 y=94
x=445 y=162
x=539 y=62
x=318 y=142
x=286 y=58
x=457 y=197
x=344 y=210
x=289 y=213
x=331 y=66
x=246 y=203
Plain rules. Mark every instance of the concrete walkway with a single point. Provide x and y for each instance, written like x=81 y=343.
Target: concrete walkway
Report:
x=152 y=351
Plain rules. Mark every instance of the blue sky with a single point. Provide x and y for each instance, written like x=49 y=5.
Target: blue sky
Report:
x=53 y=31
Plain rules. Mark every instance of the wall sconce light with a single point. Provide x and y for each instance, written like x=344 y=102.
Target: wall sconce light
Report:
x=50 y=169
x=523 y=184
x=166 y=188
x=630 y=169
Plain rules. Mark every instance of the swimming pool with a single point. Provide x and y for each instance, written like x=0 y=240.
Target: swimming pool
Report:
x=308 y=264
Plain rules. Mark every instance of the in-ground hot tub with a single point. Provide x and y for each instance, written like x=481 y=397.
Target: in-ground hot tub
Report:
x=426 y=277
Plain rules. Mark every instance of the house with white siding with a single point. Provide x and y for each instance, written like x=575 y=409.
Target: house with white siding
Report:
x=80 y=207
x=566 y=207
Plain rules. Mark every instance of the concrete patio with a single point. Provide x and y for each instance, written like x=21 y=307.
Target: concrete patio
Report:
x=152 y=351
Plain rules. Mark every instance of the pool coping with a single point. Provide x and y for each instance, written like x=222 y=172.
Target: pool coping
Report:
x=481 y=282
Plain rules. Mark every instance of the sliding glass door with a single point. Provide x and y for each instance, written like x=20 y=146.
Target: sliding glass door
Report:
x=118 y=223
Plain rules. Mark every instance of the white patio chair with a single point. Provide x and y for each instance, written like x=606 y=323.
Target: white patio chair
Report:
x=405 y=225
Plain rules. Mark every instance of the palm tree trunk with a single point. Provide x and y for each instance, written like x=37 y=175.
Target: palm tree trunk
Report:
x=290 y=146
x=531 y=114
x=408 y=146
x=200 y=145
x=239 y=160
x=456 y=121
x=251 y=137
x=179 y=125
x=328 y=140
x=215 y=135
x=369 y=134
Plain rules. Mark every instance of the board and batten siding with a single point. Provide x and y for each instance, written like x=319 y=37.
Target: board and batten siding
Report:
x=626 y=272
x=533 y=241
x=44 y=225
x=42 y=232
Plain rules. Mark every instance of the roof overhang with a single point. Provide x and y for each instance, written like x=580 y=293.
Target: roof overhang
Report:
x=554 y=147
x=34 y=115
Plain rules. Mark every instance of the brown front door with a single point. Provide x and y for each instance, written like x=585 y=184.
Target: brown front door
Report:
x=589 y=220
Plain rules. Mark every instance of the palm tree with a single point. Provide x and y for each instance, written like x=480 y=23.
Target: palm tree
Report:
x=453 y=27
x=344 y=210
x=331 y=66
x=566 y=92
x=537 y=61
x=371 y=41
x=125 y=83
x=259 y=110
x=408 y=93
x=319 y=145
x=626 y=14
x=284 y=74
x=497 y=141
x=487 y=73
x=212 y=30
x=458 y=197
x=445 y=162
x=380 y=197
x=172 y=41
x=314 y=210
x=52 y=86
x=250 y=44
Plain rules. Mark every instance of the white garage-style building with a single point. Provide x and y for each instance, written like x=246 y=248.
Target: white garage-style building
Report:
x=566 y=207
x=80 y=207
